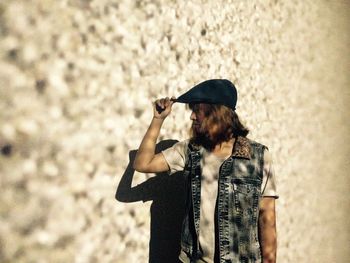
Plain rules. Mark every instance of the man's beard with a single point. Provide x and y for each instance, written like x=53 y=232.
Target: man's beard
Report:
x=201 y=136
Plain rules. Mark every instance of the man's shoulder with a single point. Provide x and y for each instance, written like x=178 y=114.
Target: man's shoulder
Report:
x=181 y=145
x=184 y=143
x=254 y=143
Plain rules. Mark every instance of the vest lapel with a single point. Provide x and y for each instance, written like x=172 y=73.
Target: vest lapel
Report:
x=241 y=148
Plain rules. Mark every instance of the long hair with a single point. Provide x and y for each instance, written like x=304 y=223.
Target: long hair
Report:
x=219 y=124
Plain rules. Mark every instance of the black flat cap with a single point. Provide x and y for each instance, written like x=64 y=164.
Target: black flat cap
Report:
x=213 y=91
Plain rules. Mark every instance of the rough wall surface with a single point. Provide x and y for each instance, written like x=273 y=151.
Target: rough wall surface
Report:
x=77 y=78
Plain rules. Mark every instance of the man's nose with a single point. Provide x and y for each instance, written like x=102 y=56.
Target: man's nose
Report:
x=193 y=116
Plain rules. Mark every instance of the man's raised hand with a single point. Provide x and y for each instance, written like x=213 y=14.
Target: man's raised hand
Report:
x=162 y=107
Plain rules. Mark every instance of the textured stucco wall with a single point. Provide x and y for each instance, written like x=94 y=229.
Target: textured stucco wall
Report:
x=76 y=83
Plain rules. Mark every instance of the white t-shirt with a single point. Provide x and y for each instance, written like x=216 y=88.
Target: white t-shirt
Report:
x=210 y=163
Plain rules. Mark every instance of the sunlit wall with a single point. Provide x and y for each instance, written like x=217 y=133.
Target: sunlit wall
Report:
x=77 y=78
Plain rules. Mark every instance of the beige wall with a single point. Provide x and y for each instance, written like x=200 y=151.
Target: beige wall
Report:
x=76 y=83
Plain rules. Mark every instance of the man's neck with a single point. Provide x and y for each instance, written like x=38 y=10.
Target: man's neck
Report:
x=224 y=149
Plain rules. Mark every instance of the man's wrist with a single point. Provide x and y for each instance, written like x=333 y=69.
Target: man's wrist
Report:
x=158 y=122
x=158 y=118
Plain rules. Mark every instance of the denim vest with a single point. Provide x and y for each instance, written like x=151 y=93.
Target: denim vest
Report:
x=240 y=178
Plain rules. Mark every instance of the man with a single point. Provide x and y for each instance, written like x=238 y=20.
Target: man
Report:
x=230 y=214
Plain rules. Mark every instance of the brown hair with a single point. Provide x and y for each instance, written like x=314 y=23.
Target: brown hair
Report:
x=219 y=124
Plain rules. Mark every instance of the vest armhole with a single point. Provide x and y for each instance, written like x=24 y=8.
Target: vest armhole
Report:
x=262 y=161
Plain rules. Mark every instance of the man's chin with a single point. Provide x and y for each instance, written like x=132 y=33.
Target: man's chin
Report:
x=200 y=134
x=198 y=130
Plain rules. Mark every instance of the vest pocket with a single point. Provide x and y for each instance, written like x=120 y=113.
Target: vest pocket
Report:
x=245 y=196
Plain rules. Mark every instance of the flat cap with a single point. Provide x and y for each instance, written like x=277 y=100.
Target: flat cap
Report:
x=213 y=91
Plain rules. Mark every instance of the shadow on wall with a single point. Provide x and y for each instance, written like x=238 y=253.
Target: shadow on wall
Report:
x=167 y=210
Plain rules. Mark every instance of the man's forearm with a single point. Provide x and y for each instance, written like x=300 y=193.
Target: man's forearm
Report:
x=147 y=147
x=268 y=235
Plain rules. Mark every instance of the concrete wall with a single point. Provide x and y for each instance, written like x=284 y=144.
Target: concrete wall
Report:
x=77 y=78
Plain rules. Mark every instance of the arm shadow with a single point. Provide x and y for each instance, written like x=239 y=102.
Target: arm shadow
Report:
x=167 y=193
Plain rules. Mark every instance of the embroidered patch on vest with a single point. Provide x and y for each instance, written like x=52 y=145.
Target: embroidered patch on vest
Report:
x=242 y=148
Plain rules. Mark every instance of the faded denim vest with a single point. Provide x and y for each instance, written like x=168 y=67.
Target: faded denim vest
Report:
x=239 y=183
